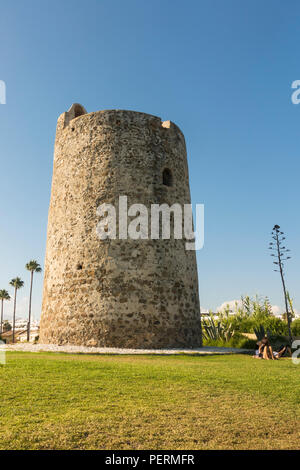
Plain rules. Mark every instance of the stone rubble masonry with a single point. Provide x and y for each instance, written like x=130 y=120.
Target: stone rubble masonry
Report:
x=116 y=293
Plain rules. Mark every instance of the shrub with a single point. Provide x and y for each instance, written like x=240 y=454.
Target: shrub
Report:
x=6 y=326
x=277 y=340
x=36 y=339
x=296 y=327
x=253 y=314
x=275 y=326
x=237 y=341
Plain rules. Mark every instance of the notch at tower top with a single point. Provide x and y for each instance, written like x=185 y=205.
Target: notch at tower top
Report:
x=75 y=111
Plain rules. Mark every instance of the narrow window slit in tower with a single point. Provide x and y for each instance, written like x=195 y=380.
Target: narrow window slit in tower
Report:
x=79 y=266
x=167 y=177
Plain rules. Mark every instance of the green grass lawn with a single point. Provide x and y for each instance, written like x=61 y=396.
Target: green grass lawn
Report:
x=61 y=401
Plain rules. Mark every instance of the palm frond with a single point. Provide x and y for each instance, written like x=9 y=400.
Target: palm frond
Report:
x=4 y=295
x=17 y=283
x=33 y=266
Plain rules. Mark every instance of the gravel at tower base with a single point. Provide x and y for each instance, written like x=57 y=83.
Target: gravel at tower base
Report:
x=126 y=293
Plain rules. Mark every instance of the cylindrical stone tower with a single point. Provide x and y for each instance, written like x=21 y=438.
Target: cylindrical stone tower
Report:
x=117 y=292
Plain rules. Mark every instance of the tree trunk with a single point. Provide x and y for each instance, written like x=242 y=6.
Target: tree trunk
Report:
x=14 y=315
x=284 y=291
x=286 y=308
x=29 y=313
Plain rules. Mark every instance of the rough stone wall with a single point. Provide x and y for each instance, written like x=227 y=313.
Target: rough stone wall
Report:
x=117 y=293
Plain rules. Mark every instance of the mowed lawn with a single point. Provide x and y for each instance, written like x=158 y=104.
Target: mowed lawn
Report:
x=62 y=401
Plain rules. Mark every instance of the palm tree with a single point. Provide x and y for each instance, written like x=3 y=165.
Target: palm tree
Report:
x=17 y=283
x=34 y=267
x=4 y=295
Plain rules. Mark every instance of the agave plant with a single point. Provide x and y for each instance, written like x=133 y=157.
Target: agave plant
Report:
x=213 y=330
x=260 y=332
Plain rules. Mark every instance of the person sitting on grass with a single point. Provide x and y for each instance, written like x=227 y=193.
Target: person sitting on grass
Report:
x=284 y=350
x=265 y=350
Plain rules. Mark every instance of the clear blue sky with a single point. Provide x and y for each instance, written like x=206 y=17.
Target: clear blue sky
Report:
x=221 y=70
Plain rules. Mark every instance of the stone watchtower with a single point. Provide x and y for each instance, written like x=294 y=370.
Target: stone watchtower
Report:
x=117 y=293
